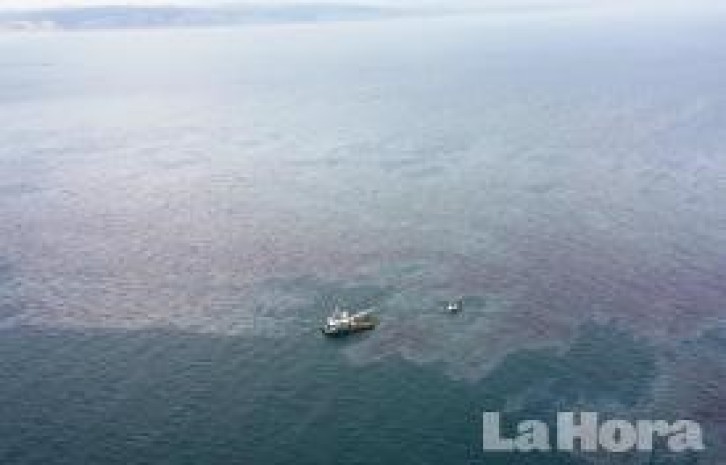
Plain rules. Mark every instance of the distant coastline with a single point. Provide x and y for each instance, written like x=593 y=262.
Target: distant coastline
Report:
x=134 y=17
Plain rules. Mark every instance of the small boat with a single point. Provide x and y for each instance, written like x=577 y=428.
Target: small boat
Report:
x=341 y=323
x=455 y=306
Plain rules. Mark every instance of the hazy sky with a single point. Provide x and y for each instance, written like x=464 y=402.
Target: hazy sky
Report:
x=29 y=4
x=33 y=4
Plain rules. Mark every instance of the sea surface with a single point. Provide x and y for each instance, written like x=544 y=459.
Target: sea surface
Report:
x=180 y=209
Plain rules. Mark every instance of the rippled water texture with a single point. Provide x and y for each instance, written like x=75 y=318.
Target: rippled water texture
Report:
x=179 y=209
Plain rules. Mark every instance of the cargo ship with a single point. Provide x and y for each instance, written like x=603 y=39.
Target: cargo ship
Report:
x=341 y=322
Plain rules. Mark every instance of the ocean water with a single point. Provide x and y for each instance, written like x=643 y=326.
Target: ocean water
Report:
x=180 y=209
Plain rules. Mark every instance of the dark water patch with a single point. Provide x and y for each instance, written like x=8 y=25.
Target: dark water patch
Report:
x=10 y=302
x=167 y=397
x=162 y=397
x=157 y=397
x=693 y=385
x=603 y=366
x=606 y=363
x=605 y=370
